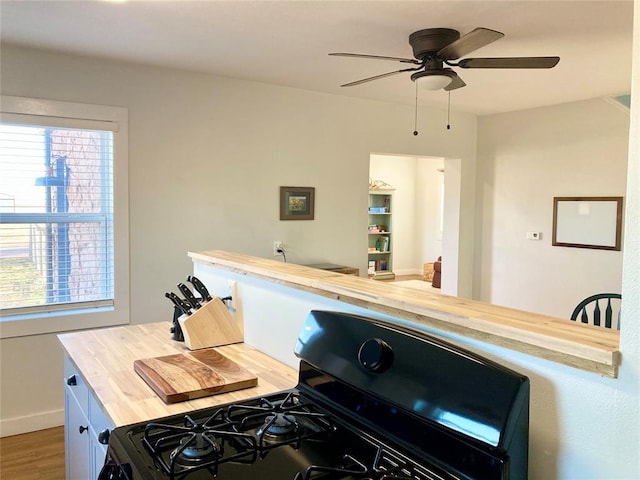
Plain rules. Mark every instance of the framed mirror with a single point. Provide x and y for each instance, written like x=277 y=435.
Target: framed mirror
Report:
x=587 y=222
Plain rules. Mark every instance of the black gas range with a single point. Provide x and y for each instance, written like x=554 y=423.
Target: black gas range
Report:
x=374 y=401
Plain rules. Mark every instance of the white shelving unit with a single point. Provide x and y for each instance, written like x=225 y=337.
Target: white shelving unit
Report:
x=380 y=255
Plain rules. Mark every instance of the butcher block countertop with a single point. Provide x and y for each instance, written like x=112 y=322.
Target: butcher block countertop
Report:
x=589 y=348
x=105 y=359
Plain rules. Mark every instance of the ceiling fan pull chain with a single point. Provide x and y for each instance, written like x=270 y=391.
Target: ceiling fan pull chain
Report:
x=415 y=121
x=449 y=112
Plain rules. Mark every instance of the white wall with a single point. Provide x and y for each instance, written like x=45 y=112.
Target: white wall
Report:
x=207 y=156
x=524 y=160
x=429 y=208
x=630 y=337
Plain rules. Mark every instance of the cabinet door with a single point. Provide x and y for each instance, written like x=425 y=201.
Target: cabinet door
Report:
x=100 y=430
x=99 y=453
x=76 y=439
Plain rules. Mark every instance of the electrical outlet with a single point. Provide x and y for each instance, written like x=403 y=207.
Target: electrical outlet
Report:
x=232 y=291
x=277 y=245
x=231 y=287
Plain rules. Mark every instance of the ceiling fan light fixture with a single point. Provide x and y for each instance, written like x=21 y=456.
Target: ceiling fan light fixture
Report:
x=433 y=80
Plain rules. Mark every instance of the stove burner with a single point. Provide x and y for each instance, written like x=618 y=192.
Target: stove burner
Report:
x=196 y=448
x=279 y=425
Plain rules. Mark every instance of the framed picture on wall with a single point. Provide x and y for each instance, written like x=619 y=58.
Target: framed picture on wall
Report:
x=297 y=203
x=587 y=222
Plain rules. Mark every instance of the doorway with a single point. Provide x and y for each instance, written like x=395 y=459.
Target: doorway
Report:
x=418 y=220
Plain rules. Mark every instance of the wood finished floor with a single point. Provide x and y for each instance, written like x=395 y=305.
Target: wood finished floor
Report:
x=33 y=456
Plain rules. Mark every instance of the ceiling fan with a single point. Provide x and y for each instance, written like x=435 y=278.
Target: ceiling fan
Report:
x=435 y=47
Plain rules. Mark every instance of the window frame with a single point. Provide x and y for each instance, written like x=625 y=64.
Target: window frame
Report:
x=31 y=111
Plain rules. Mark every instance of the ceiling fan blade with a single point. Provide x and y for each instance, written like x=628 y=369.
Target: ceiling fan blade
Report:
x=457 y=82
x=376 y=57
x=388 y=74
x=476 y=38
x=509 y=62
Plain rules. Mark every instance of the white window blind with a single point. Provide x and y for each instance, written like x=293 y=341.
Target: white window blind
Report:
x=64 y=216
x=56 y=218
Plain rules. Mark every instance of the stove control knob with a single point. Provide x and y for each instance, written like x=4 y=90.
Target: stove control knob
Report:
x=103 y=436
x=375 y=355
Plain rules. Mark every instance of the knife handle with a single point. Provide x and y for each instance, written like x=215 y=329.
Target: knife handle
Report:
x=178 y=302
x=200 y=288
x=188 y=294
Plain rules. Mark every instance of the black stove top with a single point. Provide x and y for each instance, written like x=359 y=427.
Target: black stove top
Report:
x=373 y=402
x=282 y=436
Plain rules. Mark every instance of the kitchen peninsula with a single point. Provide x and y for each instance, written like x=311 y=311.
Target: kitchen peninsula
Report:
x=103 y=391
x=272 y=299
x=260 y=281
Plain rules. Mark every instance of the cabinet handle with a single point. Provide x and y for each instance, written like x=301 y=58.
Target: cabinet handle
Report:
x=71 y=381
x=82 y=429
x=103 y=436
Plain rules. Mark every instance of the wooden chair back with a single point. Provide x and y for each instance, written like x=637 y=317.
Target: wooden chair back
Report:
x=601 y=310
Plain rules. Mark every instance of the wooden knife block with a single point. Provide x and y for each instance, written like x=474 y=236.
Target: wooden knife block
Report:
x=210 y=326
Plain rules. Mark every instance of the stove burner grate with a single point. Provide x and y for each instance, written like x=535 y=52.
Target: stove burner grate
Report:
x=179 y=450
x=280 y=422
x=237 y=433
x=246 y=433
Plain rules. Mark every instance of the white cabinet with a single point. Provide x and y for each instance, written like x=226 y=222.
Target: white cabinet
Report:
x=100 y=428
x=76 y=438
x=86 y=428
x=380 y=254
x=98 y=454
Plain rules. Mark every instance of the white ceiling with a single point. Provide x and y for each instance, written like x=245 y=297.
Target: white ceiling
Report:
x=286 y=43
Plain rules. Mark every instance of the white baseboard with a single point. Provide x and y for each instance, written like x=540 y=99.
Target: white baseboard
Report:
x=31 y=423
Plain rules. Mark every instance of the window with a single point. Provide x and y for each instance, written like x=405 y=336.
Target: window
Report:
x=63 y=216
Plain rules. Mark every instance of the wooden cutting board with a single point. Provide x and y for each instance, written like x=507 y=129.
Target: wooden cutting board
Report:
x=189 y=375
